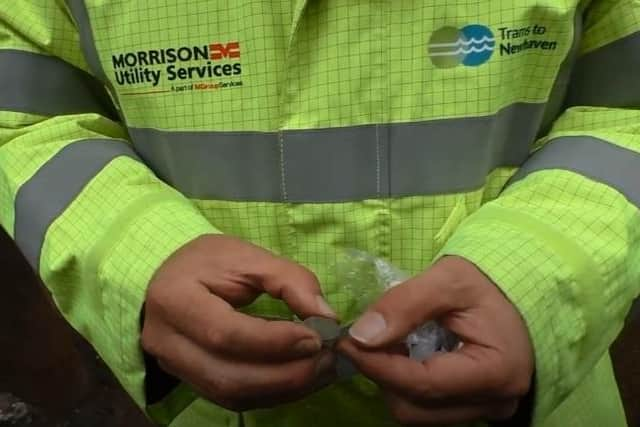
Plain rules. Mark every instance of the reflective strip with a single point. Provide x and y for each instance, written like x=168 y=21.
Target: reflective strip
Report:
x=79 y=12
x=45 y=85
x=557 y=96
x=341 y=164
x=55 y=185
x=608 y=76
x=594 y=158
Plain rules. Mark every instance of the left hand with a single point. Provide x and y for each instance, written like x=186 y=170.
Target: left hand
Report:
x=482 y=380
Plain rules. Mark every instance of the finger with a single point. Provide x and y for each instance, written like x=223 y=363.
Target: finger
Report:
x=297 y=286
x=218 y=327
x=409 y=413
x=236 y=293
x=234 y=383
x=407 y=306
x=472 y=372
x=246 y=265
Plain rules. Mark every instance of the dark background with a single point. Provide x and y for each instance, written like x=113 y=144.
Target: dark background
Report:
x=49 y=376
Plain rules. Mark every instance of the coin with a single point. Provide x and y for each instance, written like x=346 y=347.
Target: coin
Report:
x=328 y=329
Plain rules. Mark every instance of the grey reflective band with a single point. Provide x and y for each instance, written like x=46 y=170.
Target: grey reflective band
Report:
x=79 y=11
x=341 y=164
x=608 y=76
x=45 y=85
x=55 y=185
x=80 y=14
x=557 y=96
x=594 y=158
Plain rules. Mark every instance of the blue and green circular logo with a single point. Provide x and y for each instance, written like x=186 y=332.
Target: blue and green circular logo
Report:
x=471 y=46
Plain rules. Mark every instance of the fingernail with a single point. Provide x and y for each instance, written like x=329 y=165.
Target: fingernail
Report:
x=307 y=346
x=324 y=307
x=325 y=363
x=368 y=327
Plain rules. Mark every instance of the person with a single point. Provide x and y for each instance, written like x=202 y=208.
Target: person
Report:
x=185 y=175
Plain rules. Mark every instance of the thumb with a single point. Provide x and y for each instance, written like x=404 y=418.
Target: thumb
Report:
x=409 y=305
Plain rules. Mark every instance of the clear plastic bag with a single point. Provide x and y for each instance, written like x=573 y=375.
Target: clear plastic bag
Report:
x=364 y=278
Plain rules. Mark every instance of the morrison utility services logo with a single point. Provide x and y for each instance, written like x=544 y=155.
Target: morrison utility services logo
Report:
x=475 y=44
x=472 y=45
x=185 y=68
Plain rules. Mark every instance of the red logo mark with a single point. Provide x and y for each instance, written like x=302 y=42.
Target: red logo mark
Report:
x=219 y=51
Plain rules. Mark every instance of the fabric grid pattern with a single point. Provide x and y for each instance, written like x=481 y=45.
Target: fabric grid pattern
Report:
x=564 y=248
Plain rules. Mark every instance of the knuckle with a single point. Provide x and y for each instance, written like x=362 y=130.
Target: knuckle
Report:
x=304 y=275
x=150 y=341
x=221 y=387
x=296 y=379
x=423 y=390
x=230 y=388
x=295 y=382
x=159 y=300
x=217 y=337
x=301 y=379
x=154 y=299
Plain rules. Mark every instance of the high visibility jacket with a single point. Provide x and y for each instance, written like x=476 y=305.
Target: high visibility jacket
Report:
x=506 y=132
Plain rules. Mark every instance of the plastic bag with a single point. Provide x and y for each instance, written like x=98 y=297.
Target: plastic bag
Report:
x=364 y=278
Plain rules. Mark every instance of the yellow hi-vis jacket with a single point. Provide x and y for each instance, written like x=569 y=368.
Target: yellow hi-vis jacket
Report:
x=503 y=131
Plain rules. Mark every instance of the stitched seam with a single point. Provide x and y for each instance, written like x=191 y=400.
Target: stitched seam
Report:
x=378 y=191
x=283 y=177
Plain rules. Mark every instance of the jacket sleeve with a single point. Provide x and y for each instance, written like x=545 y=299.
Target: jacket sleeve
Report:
x=562 y=240
x=92 y=220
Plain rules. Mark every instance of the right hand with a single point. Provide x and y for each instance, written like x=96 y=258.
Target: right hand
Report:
x=238 y=361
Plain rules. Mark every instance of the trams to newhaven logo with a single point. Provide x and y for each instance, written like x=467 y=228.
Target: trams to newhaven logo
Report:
x=209 y=66
x=471 y=46
x=474 y=45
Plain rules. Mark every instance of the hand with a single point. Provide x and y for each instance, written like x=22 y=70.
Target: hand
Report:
x=483 y=380
x=236 y=360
